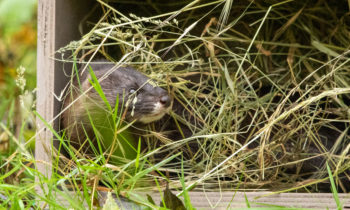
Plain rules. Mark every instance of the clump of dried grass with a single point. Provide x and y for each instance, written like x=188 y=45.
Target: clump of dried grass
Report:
x=265 y=82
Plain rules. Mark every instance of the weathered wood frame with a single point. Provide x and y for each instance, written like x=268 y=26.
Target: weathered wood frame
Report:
x=58 y=22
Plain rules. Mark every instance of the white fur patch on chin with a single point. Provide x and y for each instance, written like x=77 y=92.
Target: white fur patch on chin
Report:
x=157 y=113
x=151 y=118
x=158 y=107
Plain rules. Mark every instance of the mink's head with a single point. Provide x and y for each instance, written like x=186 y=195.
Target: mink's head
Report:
x=143 y=101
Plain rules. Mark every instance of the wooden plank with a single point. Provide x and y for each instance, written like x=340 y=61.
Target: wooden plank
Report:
x=58 y=24
x=45 y=85
x=226 y=200
x=237 y=200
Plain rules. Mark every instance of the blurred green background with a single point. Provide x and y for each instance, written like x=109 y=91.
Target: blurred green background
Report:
x=17 y=70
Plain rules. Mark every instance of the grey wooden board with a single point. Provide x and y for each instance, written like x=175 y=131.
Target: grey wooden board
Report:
x=231 y=200
x=237 y=200
x=45 y=83
x=58 y=24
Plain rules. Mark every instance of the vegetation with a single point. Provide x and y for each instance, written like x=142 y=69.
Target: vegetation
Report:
x=17 y=84
x=264 y=89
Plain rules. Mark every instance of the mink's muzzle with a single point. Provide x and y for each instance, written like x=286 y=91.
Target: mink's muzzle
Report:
x=165 y=100
x=152 y=103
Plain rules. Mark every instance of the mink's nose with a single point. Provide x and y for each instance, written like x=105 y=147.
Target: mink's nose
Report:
x=165 y=100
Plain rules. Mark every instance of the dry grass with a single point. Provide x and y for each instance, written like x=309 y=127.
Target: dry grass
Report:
x=264 y=82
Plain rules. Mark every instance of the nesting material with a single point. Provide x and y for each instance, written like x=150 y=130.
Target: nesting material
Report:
x=263 y=88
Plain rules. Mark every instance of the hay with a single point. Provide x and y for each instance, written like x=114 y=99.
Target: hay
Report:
x=262 y=82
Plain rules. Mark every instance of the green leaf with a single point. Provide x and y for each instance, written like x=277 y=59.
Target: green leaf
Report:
x=246 y=200
x=94 y=82
x=333 y=188
x=171 y=201
x=137 y=161
x=150 y=199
